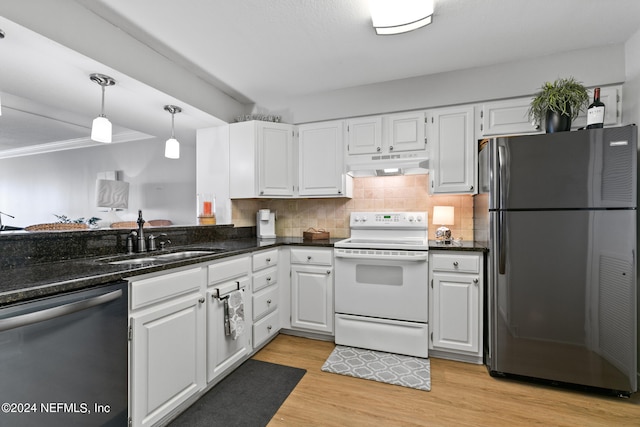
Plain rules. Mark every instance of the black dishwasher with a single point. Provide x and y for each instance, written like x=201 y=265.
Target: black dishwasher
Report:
x=63 y=359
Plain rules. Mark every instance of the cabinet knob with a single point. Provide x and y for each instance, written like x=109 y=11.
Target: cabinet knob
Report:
x=269 y=327
x=309 y=258
x=455 y=263
x=261 y=193
x=268 y=260
x=328 y=271
x=471 y=188
x=268 y=278
x=268 y=301
x=475 y=282
x=378 y=148
x=201 y=300
x=391 y=148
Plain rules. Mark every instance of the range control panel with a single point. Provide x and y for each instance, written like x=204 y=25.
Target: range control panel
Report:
x=388 y=219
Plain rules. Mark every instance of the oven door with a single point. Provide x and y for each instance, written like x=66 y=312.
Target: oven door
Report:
x=382 y=283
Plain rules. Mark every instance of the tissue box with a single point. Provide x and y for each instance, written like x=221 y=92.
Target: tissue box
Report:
x=313 y=234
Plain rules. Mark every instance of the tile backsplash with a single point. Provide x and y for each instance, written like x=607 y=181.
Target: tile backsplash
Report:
x=391 y=193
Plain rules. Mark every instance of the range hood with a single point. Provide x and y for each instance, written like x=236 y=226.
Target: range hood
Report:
x=387 y=164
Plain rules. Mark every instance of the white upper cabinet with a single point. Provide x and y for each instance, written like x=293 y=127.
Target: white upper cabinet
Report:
x=321 y=170
x=404 y=131
x=364 y=135
x=453 y=155
x=261 y=160
x=509 y=117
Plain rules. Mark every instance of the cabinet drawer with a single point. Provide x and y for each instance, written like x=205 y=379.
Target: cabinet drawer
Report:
x=312 y=256
x=266 y=328
x=456 y=262
x=265 y=278
x=265 y=259
x=225 y=270
x=265 y=301
x=159 y=288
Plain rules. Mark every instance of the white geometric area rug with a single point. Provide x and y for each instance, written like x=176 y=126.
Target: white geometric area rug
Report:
x=407 y=371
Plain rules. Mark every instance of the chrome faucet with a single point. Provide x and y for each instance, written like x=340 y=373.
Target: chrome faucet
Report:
x=142 y=244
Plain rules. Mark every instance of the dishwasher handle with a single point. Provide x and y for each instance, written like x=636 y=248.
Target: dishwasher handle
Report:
x=53 y=312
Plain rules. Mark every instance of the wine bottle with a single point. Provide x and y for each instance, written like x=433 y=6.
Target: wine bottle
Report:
x=595 y=112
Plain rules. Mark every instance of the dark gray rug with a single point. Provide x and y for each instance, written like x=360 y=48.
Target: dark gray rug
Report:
x=249 y=396
x=398 y=369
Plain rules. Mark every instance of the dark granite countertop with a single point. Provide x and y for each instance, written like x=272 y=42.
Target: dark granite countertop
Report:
x=51 y=278
x=23 y=283
x=459 y=245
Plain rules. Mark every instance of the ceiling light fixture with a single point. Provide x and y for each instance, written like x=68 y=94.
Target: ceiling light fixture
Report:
x=172 y=146
x=101 y=127
x=400 y=16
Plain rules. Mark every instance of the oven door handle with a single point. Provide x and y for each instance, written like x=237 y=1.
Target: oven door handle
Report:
x=53 y=312
x=417 y=257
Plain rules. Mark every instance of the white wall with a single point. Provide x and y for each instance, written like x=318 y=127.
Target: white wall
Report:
x=212 y=164
x=631 y=88
x=34 y=188
x=593 y=67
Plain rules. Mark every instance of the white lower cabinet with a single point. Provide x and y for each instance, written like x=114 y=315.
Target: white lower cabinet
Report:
x=312 y=290
x=223 y=350
x=456 y=315
x=167 y=343
x=265 y=297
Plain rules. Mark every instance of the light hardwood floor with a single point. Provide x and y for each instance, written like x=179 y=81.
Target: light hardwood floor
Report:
x=461 y=395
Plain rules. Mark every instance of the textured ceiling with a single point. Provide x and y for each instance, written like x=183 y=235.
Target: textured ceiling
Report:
x=270 y=52
x=267 y=52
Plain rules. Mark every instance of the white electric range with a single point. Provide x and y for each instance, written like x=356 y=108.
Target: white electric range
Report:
x=381 y=283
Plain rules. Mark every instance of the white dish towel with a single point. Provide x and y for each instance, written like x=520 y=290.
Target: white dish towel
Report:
x=235 y=314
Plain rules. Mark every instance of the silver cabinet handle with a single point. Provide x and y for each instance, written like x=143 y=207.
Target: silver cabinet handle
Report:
x=201 y=300
x=309 y=258
x=391 y=148
x=53 y=312
x=268 y=260
x=268 y=301
x=328 y=271
x=475 y=282
x=378 y=148
x=268 y=278
x=269 y=327
x=455 y=263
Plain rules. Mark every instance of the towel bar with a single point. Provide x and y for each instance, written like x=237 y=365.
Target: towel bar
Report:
x=217 y=294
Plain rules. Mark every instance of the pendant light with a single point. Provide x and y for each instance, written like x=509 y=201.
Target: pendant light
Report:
x=172 y=146
x=101 y=127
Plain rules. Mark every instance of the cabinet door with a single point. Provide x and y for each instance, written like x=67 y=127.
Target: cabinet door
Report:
x=312 y=298
x=610 y=96
x=453 y=155
x=222 y=350
x=455 y=312
x=405 y=131
x=508 y=117
x=275 y=159
x=364 y=135
x=321 y=159
x=167 y=357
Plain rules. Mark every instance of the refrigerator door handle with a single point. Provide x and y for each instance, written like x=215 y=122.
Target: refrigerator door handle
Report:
x=502 y=253
x=501 y=187
x=501 y=177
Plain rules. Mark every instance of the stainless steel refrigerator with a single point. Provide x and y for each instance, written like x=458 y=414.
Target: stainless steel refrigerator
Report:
x=558 y=212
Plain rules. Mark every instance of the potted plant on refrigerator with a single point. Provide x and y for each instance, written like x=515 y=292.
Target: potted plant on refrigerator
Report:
x=558 y=103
